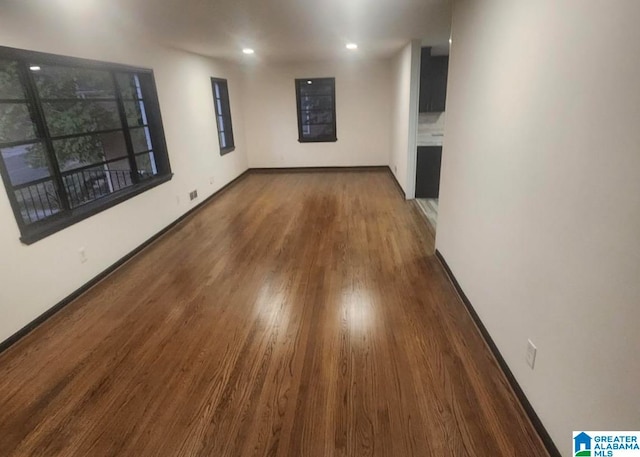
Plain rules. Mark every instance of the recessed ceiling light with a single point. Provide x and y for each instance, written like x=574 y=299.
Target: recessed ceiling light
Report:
x=248 y=51
x=352 y=46
x=34 y=68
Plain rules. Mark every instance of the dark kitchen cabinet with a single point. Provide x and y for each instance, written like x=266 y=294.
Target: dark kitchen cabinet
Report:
x=433 y=82
x=428 y=171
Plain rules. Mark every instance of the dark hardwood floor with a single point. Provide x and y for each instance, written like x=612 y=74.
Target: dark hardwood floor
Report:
x=298 y=314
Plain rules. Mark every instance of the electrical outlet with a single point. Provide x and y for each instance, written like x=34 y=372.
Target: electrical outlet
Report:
x=83 y=255
x=395 y=169
x=531 y=354
x=178 y=200
x=193 y=194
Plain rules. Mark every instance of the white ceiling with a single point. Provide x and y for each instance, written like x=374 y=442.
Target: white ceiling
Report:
x=289 y=30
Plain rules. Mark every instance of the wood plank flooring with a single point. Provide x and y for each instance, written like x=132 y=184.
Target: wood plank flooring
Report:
x=297 y=314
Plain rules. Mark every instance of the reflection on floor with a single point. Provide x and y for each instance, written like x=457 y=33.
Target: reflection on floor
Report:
x=429 y=207
x=295 y=314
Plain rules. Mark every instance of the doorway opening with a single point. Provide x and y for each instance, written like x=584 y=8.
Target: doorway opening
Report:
x=434 y=65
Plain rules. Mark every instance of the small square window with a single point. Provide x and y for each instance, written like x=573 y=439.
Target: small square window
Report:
x=316 y=100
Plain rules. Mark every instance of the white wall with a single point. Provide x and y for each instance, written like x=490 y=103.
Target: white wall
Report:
x=401 y=89
x=362 y=112
x=404 y=122
x=34 y=278
x=539 y=213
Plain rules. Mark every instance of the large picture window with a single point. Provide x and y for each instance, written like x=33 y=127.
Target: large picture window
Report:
x=76 y=137
x=316 y=99
x=223 y=114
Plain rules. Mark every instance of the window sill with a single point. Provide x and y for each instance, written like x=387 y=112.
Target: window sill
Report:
x=224 y=151
x=318 y=140
x=36 y=232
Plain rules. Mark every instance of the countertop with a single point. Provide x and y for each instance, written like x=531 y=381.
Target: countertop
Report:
x=430 y=129
x=429 y=139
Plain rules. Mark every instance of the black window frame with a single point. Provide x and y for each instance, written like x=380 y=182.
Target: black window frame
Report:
x=67 y=214
x=225 y=115
x=331 y=137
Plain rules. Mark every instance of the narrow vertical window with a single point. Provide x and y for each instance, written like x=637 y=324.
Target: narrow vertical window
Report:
x=316 y=99
x=223 y=114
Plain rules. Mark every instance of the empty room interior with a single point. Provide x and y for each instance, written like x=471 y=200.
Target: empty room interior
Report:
x=337 y=228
